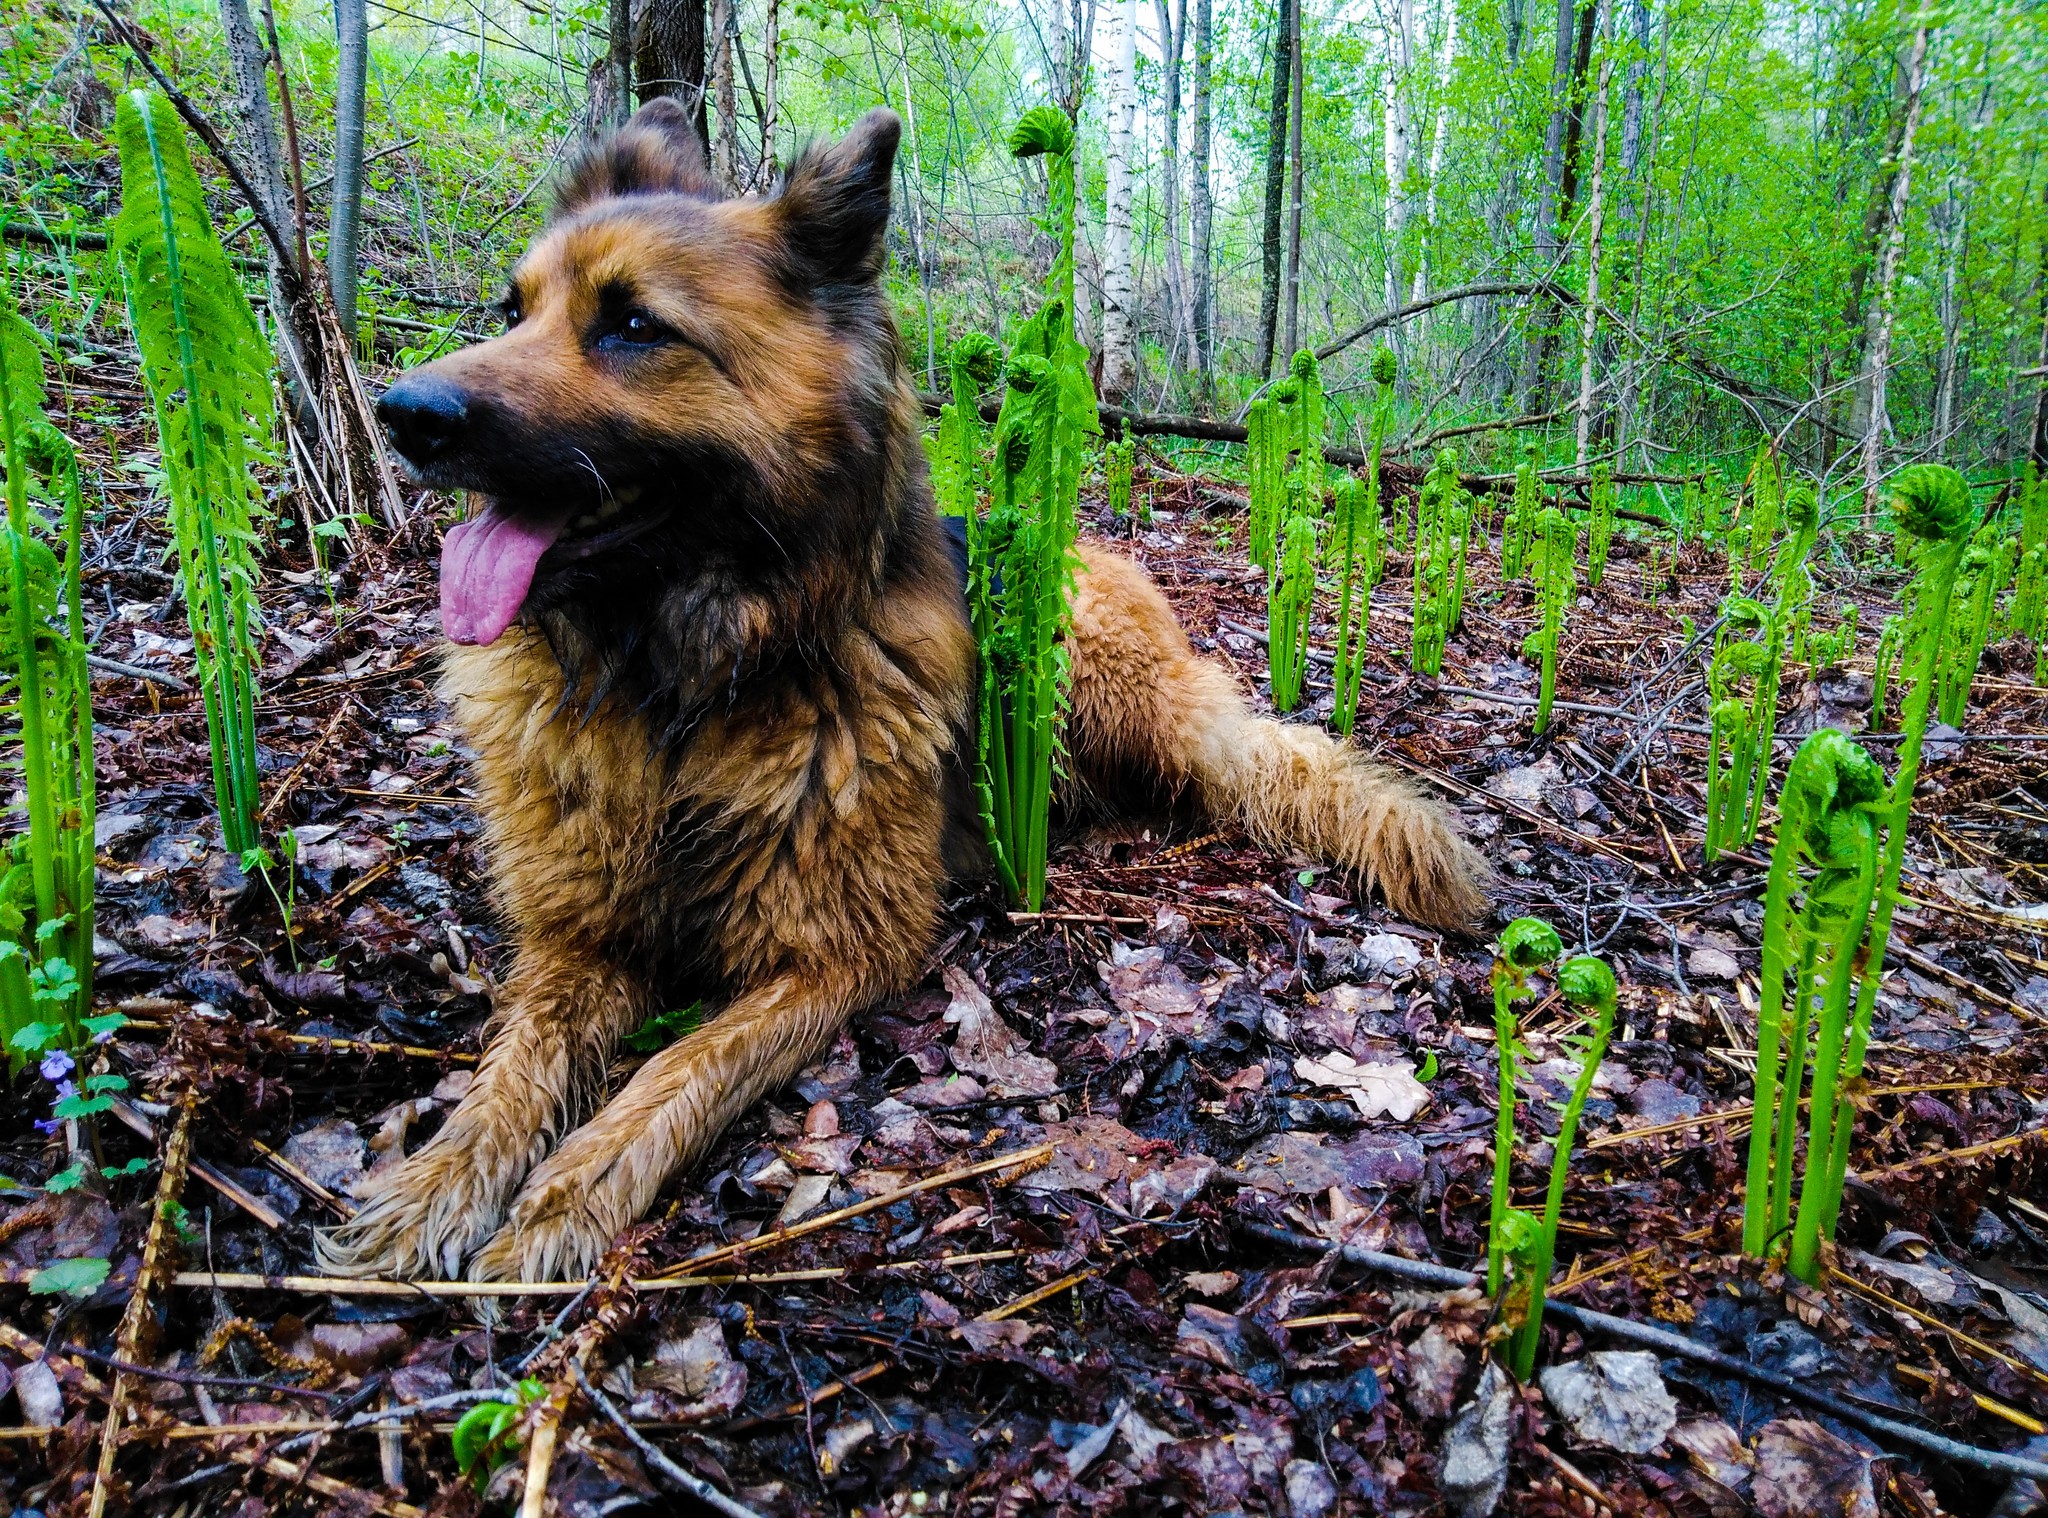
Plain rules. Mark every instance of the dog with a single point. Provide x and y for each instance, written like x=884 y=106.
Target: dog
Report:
x=712 y=652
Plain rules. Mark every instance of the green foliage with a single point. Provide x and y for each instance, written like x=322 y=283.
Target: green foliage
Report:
x=1518 y=533
x=1556 y=571
x=1987 y=568
x=1764 y=487
x=1891 y=646
x=1817 y=904
x=46 y=878
x=1741 y=684
x=1443 y=522
x=482 y=1436
x=2028 y=615
x=1526 y=946
x=1600 y=531
x=1026 y=547
x=1267 y=483
x=1119 y=465
x=1290 y=598
x=208 y=371
x=664 y=1028
x=961 y=444
x=1355 y=530
x=77 y=1277
x=1588 y=984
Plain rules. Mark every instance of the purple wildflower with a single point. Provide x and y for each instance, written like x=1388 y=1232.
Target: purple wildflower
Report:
x=56 y=1065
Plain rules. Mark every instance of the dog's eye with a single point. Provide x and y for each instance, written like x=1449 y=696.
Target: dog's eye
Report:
x=513 y=314
x=641 y=328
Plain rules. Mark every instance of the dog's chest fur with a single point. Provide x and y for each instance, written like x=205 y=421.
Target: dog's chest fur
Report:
x=798 y=823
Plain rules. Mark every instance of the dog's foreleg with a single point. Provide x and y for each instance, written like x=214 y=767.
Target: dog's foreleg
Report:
x=561 y=1013
x=609 y=1171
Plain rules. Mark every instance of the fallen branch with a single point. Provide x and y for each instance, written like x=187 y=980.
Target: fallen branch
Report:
x=135 y=672
x=1666 y=1342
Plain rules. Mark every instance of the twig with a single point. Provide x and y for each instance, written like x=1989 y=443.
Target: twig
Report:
x=1019 y=1162
x=1666 y=1342
x=1950 y=1156
x=128 y=1342
x=695 y=1485
x=136 y=672
x=1031 y=1299
x=540 y=1454
x=226 y=1185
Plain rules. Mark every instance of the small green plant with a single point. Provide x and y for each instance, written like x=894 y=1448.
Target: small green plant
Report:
x=1600 y=530
x=664 y=1028
x=482 y=1436
x=1713 y=503
x=1354 y=531
x=1891 y=645
x=47 y=876
x=259 y=861
x=1832 y=649
x=2028 y=616
x=1690 y=516
x=1518 y=533
x=208 y=372
x=1842 y=839
x=1373 y=534
x=1740 y=719
x=1020 y=565
x=1988 y=566
x=958 y=471
x=1290 y=601
x=1266 y=456
x=1441 y=525
x=1765 y=494
x=1588 y=984
x=1526 y=946
x=1556 y=586
x=1119 y=465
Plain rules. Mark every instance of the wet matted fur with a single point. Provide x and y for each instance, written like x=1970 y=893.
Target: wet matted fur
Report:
x=720 y=745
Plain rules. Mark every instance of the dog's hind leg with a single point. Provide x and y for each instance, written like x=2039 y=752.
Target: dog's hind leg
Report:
x=1147 y=707
x=610 y=1170
x=563 y=1011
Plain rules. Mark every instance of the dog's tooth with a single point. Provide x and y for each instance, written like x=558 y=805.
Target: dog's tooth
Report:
x=610 y=509
x=586 y=520
x=628 y=494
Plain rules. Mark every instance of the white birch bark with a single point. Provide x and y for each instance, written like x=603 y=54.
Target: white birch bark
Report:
x=1436 y=149
x=1880 y=354
x=1119 y=327
x=1400 y=56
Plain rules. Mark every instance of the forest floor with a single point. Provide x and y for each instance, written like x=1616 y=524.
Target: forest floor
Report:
x=1100 y=1326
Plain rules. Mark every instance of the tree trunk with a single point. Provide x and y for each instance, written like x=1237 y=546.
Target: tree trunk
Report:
x=1400 y=58
x=1856 y=312
x=1878 y=361
x=772 y=87
x=2037 y=448
x=1560 y=183
x=668 y=58
x=1589 y=331
x=1119 y=327
x=1276 y=184
x=1438 y=139
x=1295 y=189
x=1172 y=41
x=1950 y=221
x=1201 y=208
x=351 y=78
x=725 y=140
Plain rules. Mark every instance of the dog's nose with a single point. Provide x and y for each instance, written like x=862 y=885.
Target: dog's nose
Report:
x=425 y=415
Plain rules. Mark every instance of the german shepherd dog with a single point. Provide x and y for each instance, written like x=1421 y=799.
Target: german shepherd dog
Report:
x=711 y=649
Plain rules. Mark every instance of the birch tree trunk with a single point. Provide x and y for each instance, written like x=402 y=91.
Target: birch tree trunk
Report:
x=1172 y=27
x=1400 y=58
x=1589 y=329
x=1295 y=190
x=1560 y=177
x=1276 y=184
x=764 y=175
x=1119 y=329
x=1436 y=150
x=1879 y=349
x=725 y=139
x=1950 y=221
x=1201 y=209
x=351 y=77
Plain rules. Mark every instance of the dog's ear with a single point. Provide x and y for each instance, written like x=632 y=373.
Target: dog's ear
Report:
x=834 y=205
x=658 y=152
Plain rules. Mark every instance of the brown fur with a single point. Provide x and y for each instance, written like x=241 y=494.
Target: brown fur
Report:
x=720 y=760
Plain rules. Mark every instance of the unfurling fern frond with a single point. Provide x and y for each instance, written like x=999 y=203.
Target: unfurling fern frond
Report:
x=207 y=368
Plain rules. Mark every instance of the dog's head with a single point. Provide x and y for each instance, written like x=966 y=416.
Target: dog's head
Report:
x=710 y=386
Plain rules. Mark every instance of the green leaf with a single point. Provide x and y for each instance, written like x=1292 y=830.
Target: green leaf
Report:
x=664 y=1028
x=81 y=1106
x=34 y=1038
x=1428 y=1070
x=70 y=1178
x=134 y=1167
x=104 y=1022
x=75 y=1278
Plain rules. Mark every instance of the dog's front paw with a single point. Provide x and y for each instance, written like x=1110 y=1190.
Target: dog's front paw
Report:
x=421 y=1218
x=557 y=1230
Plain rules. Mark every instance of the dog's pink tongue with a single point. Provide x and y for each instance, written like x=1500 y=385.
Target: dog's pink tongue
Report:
x=487 y=567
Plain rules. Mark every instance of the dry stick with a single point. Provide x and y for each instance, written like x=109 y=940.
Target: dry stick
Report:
x=135 y=672
x=228 y=1187
x=540 y=1453
x=1975 y=1151
x=1022 y=1161
x=1991 y=1405
x=1031 y=1299
x=128 y=1342
x=1930 y=966
x=1956 y=1335
x=1666 y=1342
x=824 y=1393
x=1487 y=798
x=1747 y=1110
x=695 y=1485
